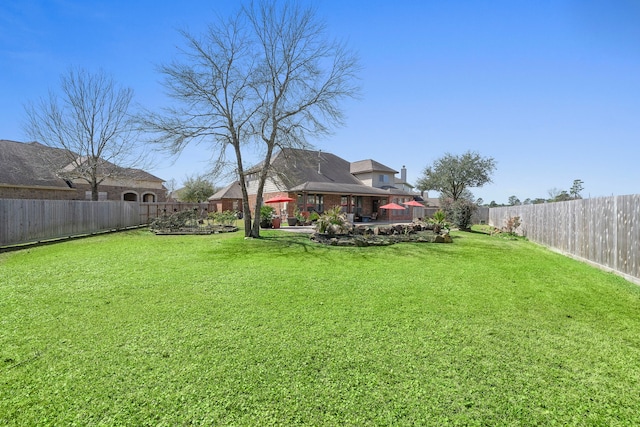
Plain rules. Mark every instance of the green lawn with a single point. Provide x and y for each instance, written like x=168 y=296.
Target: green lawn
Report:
x=137 y=329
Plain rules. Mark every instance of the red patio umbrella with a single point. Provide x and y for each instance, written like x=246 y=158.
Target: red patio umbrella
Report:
x=392 y=206
x=413 y=203
x=279 y=199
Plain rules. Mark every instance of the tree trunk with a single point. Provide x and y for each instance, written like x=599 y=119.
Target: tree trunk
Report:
x=247 y=223
x=94 y=192
x=255 y=228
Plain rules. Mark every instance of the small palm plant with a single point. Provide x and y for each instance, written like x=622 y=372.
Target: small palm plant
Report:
x=439 y=221
x=334 y=221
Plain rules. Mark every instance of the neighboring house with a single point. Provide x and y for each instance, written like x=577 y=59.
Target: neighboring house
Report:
x=318 y=181
x=176 y=196
x=227 y=199
x=431 y=202
x=36 y=171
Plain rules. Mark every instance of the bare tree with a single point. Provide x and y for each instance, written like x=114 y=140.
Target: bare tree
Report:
x=553 y=194
x=171 y=187
x=89 y=122
x=266 y=78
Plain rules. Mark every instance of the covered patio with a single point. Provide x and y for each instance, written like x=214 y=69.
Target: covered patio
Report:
x=360 y=204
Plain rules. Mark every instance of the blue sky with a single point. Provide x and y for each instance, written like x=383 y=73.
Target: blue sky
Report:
x=549 y=89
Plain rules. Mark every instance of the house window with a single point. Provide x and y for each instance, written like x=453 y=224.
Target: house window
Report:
x=347 y=203
x=358 y=208
x=315 y=202
x=251 y=177
x=149 y=198
x=383 y=179
x=130 y=197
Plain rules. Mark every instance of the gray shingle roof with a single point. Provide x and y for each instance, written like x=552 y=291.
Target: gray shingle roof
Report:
x=231 y=191
x=365 y=166
x=296 y=167
x=318 y=171
x=30 y=164
x=34 y=164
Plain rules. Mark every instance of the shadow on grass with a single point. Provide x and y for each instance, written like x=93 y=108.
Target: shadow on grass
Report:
x=460 y=234
x=477 y=232
x=282 y=240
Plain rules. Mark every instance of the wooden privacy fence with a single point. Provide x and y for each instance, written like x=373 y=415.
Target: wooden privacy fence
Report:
x=24 y=221
x=604 y=230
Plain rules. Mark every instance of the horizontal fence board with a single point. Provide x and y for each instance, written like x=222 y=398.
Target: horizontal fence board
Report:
x=603 y=230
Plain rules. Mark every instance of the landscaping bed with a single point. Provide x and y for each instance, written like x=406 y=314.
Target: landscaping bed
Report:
x=190 y=222
x=384 y=235
x=205 y=229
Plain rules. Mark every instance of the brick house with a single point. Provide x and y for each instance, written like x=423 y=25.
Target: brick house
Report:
x=317 y=181
x=227 y=199
x=35 y=171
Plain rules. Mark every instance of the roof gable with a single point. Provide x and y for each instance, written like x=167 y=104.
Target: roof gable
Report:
x=231 y=191
x=368 y=166
x=294 y=167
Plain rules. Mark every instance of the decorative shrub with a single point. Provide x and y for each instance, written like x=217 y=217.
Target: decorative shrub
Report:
x=266 y=213
x=439 y=221
x=223 y=218
x=459 y=212
x=333 y=222
x=511 y=224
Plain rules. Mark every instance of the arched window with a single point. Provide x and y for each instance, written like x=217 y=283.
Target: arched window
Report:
x=149 y=198
x=130 y=197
